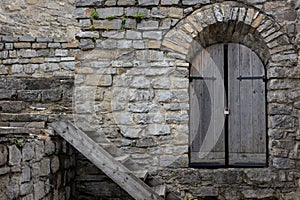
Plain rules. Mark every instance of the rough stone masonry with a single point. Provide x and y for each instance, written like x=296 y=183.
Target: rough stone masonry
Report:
x=121 y=67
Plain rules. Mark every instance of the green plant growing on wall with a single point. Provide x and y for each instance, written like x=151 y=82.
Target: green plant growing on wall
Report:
x=92 y=27
x=18 y=143
x=112 y=17
x=94 y=15
x=139 y=16
x=123 y=23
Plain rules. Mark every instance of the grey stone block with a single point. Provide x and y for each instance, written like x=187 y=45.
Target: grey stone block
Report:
x=49 y=147
x=26 y=174
x=88 y=2
x=26 y=188
x=194 y=2
x=15 y=155
x=45 y=167
x=28 y=151
x=51 y=95
x=148 y=2
x=3 y=154
x=26 y=39
x=55 y=164
x=9 y=39
x=169 y=2
x=29 y=95
x=110 y=12
x=86 y=44
x=11 y=106
x=44 y=39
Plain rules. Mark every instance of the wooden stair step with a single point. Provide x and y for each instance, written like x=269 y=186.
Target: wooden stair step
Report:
x=160 y=190
x=142 y=174
x=110 y=148
x=122 y=159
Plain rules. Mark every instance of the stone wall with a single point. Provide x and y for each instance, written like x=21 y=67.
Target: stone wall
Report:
x=32 y=168
x=131 y=84
x=36 y=87
x=38 y=18
x=136 y=71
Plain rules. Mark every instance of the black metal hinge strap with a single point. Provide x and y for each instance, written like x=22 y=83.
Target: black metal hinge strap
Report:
x=264 y=78
x=202 y=78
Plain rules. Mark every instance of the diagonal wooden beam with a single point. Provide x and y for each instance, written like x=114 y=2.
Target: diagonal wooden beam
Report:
x=104 y=161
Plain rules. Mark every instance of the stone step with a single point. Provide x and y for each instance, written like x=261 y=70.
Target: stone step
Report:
x=142 y=174
x=160 y=190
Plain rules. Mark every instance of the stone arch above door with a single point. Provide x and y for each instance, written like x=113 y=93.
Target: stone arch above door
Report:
x=232 y=22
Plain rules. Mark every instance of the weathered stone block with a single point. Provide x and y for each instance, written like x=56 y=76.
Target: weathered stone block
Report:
x=3 y=154
x=148 y=2
x=86 y=44
x=39 y=190
x=89 y=2
x=283 y=163
x=28 y=151
x=49 y=147
x=146 y=142
x=15 y=155
x=131 y=132
x=159 y=129
x=55 y=164
x=126 y=2
x=51 y=95
x=133 y=34
x=114 y=24
x=26 y=188
x=27 y=53
x=258 y=193
x=26 y=173
x=110 y=12
x=147 y=25
x=11 y=106
x=26 y=39
x=29 y=95
x=140 y=82
x=149 y=55
x=169 y=2
x=194 y=2
x=281 y=121
x=39 y=150
x=45 y=167
x=164 y=95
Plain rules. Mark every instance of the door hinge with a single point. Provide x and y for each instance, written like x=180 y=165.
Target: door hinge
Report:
x=264 y=78
x=202 y=78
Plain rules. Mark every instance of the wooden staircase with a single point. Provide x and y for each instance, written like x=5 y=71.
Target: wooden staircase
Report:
x=119 y=167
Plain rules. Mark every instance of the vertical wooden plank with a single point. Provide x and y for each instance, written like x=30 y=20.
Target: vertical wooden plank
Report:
x=210 y=104
x=234 y=119
x=258 y=110
x=246 y=100
x=196 y=89
x=218 y=97
x=247 y=128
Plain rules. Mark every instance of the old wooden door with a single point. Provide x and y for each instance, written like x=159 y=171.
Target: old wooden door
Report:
x=227 y=107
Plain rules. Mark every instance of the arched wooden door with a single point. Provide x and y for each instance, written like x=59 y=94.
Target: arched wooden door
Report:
x=227 y=107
